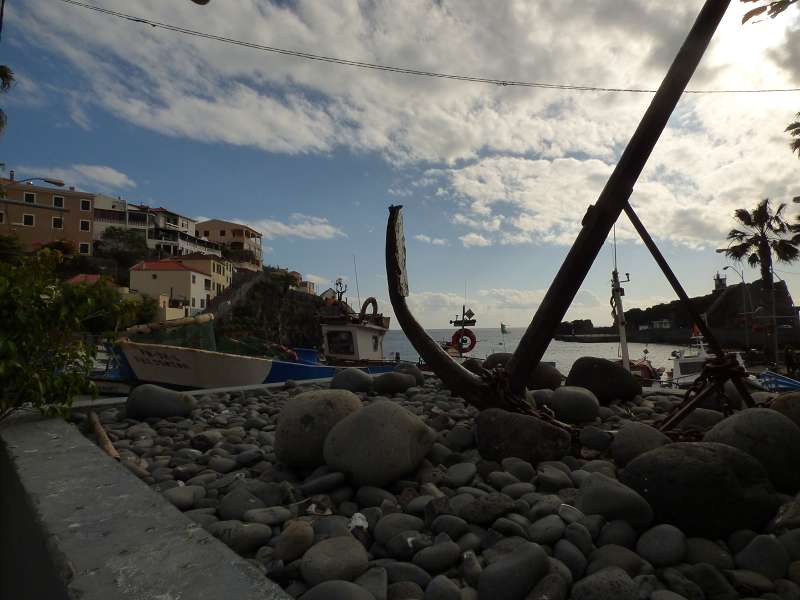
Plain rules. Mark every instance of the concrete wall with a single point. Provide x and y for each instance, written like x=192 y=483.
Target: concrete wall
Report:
x=77 y=524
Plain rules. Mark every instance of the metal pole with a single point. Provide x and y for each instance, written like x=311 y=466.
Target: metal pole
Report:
x=774 y=319
x=599 y=219
x=619 y=318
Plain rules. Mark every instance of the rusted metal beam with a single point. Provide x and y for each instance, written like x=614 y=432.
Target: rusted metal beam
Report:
x=600 y=217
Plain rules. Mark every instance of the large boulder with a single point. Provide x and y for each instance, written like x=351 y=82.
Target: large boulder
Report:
x=602 y=495
x=634 y=439
x=413 y=370
x=608 y=380
x=378 y=444
x=304 y=423
x=153 y=401
x=544 y=377
x=501 y=434
x=788 y=404
x=768 y=436
x=473 y=365
x=393 y=383
x=352 y=380
x=705 y=489
x=335 y=558
x=498 y=359
x=575 y=404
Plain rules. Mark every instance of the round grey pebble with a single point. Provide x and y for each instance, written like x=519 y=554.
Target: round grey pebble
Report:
x=662 y=545
x=547 y=530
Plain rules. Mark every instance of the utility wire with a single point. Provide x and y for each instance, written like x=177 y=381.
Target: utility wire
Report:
x=403 y=70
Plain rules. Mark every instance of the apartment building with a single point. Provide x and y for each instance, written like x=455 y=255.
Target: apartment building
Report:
x=187 y=287
x=172 y=234
x=116 y=212
x=38 y=215
x=221 y=269
x=243 y=243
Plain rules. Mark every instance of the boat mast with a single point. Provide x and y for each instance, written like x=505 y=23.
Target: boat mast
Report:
x=617 y=292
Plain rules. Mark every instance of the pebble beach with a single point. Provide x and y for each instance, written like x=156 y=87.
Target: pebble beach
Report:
x=392 y=488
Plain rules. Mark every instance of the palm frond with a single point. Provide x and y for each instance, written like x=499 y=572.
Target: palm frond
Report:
x=6 y=78
x=761 y=214
x=743 y=216
x=737 y=235
x=785 y=251
x=738 y=251
x=753 y=260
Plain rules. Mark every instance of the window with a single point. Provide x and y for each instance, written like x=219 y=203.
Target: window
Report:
x=207 y=284
x=340 y=342
x=221 y=233
x=83 y=248
x=183 y=224
x=206 y=233
x=58 y=201
x=2 y=217
x=30 y=197
x=194 y=279
x=86 y=205
x=58 y=223
x=154 y=276
x=375 y=343
x=28 y=220
x=202 y=302
x=85 y=225
x=193 y=302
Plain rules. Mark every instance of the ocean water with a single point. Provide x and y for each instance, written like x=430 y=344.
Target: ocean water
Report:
x=562 y=353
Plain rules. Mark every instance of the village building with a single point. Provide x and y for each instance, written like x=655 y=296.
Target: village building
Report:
x=186 y=287
x=242 y=243
x=172 y=234
x=220 y=268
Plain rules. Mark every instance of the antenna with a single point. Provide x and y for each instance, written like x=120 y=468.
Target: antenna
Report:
x=355 y=268
x=615 y=246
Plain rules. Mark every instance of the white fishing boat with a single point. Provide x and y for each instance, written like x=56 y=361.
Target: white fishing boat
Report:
x=688 y=363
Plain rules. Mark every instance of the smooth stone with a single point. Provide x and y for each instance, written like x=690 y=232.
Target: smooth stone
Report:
x=701 y=550
x=601 y=495
x=788 y=404
x=273 y=515
x=305 y=422
x=438 y=558
x=501 y=434
x=680 y=584
x=615 y=556
x=765 y=555
x=149 y=401
x=413 y=370
x=662 y=546
x=595 y=438
x=392 y=524
x=518 y=490
x=330 y=526
x=713 y=583
x=571 y=556
x=237 y=502
x=294 y=541
x=406 y=544
x=484 y=510
x=791 y=541
x=569 y=513
x=634 y=439
x=442 y=587
x=405 y=590
x=521 y=469
x=611 y=583
x=452 y=525
x=221 y=464
x=370 y=496
x=184 y=497
x=750 y=580
x=393 y=383
x=322 y=484
x=551 y=587
x=579 y=536
x=334 y=558
x=768 y=436
x=376 y=582
x=512 y=577
x=607 y=380
x=460 y=474
x=337 y=590
x=406 y=571
x=551 y=479
x=547 y=530
x=674 y=479
x=352 y=380
x=378 y=444
x=244 y=538
x=574 y=405
x=666 y=595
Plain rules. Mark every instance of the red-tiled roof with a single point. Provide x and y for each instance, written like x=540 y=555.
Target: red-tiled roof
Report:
x=198 y=256
x=164 y=265
x=89 y=278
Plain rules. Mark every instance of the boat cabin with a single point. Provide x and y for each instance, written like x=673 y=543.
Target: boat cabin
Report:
x=353 y=341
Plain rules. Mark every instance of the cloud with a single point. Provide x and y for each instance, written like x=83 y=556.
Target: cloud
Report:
x=529 y=300
x=92 y=177
x=429 y=240
x=474 y=239
x=317 y=279
x=302 y=226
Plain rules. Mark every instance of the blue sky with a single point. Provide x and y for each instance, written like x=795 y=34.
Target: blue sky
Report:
x=494 y=180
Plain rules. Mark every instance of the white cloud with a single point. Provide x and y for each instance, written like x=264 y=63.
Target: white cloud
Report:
x=317 y=279
x=431 y=240
x=92 y=177
x=474 y=239
x=300 y=226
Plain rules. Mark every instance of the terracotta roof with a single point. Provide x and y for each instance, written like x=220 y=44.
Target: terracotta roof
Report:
x=198 y=256
x=89 y=278
x=165 y=265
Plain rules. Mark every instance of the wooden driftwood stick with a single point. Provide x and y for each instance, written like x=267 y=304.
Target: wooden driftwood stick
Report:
x=102 y=437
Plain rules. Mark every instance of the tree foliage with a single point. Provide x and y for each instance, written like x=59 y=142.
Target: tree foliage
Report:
x=10 y=248
x=771 y=7
x=6 y=79
x=763 y=233
x=125 y=246
x=45 y=354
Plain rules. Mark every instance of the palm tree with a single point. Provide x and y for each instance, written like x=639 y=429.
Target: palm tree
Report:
x=794 y=130
x=6 y=79
x=763 y=234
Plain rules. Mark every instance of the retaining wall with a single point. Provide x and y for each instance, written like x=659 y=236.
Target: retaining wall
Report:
x=74 y=523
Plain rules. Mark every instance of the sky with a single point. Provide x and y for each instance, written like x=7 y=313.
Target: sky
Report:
x=494 y=180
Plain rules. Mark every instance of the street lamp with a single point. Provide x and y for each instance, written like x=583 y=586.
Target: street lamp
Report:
x=744 y=303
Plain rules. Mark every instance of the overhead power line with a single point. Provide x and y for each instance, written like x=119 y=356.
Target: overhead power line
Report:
x=403 y=70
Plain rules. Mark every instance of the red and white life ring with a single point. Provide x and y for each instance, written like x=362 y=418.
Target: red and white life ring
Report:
x=463 y=345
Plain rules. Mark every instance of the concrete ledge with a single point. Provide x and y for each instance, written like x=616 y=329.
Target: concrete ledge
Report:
x=77 y=524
